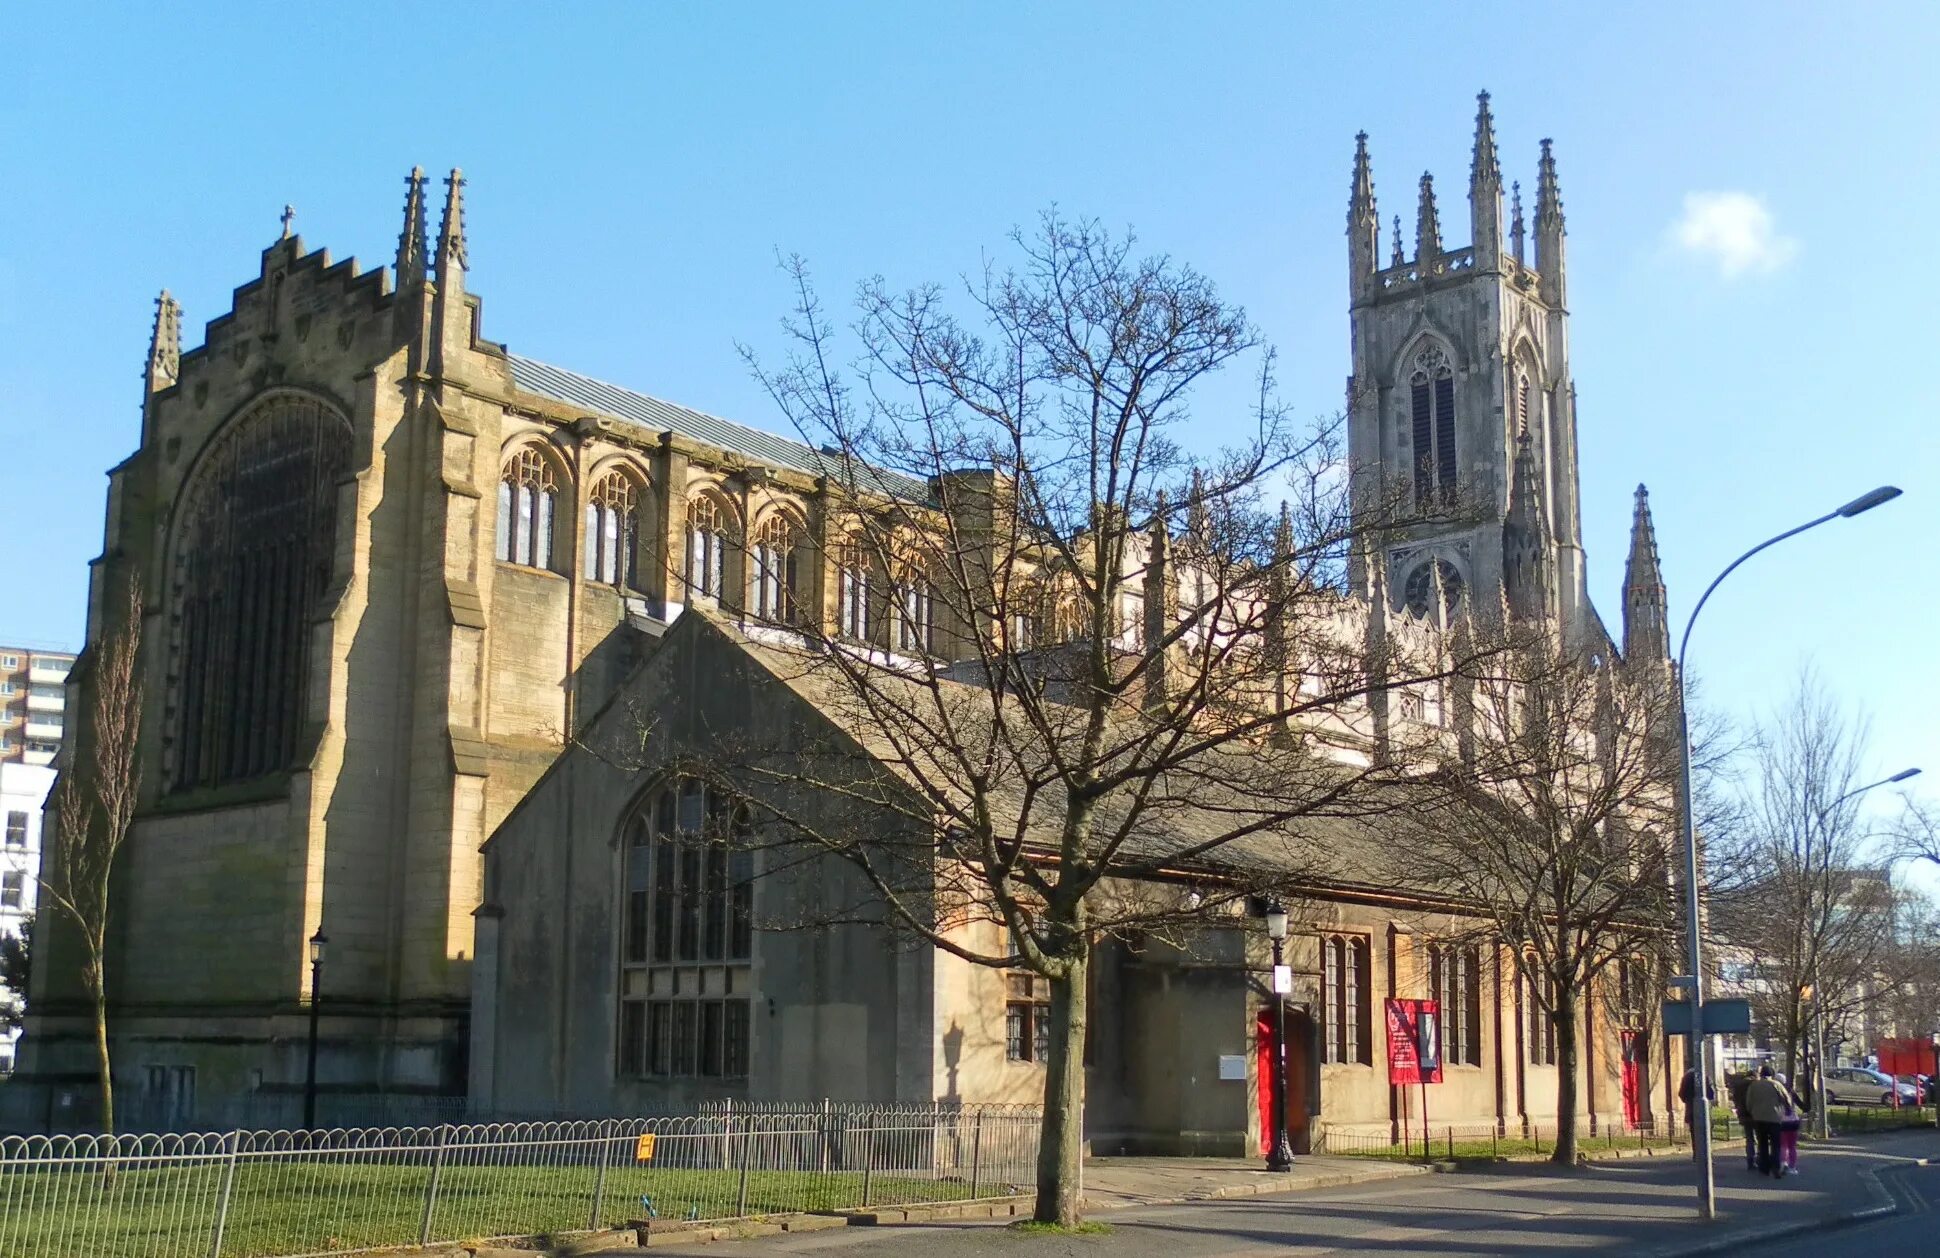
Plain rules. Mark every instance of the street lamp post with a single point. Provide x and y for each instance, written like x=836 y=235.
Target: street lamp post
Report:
x=1281 y=1156
x=1700 y=1094
x=317 y=943
x=1818 y=988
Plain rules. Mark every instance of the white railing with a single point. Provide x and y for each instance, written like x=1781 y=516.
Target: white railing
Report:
x=282 y=1194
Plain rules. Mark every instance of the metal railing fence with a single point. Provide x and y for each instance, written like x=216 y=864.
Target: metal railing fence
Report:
x=258 y=1194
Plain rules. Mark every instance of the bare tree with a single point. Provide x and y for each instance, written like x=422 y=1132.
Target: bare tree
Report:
x=1554 y=816
x=1093 y=684
x=93 y=803
x=1798 y=891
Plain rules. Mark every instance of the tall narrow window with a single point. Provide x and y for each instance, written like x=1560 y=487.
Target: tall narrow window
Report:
x=1542 y=1027
x=915 y=615
x=706 y=545
x=687 y=936
x=528 y=502
x=1344 y=991
x=613 y=531
x=1027 y=1016
x=1431 y=395
x=775 y=568
x=1457 y=984
x=254 y=547
x=854 y=617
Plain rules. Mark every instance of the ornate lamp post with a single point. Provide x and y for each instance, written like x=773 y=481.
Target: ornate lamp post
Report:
x=317 y=943
x=1281 y=1157
x=1700 y=1043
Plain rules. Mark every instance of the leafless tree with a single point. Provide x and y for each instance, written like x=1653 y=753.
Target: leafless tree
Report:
x=1093 y=684
x=1799 y=892
x=1554 y=815
x=93 y=803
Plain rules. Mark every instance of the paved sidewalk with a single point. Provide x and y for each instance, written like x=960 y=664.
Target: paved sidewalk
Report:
x=1115 y=1183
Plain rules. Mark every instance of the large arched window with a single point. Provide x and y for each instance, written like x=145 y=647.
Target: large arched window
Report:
x=707 y=522
x=254 y=544
x=686 y=935
x=613 y=531
x=528 y=502
x=854 y=596
x=1420 y=591
x=775 y=568
x=1431 y=389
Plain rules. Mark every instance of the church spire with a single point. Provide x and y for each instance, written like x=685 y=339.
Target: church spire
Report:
x=452 y=260
x=1646 y=617
x=1428 y=225
x=165 y=344
x=1485 y=191
x=1549 y=228
x=1400 y=259
x=1363 y=222
x=411 y=252
x=1198 y=527
x=1516 y=230
x=1525 y=538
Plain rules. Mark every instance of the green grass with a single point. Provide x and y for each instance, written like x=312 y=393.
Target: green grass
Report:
x=299 y=1208
x=1032 y=1227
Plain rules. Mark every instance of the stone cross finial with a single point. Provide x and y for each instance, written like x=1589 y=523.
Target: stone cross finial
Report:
x=289 y=217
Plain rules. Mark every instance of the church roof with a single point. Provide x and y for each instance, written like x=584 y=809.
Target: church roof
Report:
x=766 y=448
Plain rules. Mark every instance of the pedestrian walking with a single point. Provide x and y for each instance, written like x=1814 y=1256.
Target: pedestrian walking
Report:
x=1687 y=1093
x=1735 y=1086
x=1769 y=1102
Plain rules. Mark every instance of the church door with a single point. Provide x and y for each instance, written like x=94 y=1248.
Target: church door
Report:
x=1633 y=1049
x=1299 y=1041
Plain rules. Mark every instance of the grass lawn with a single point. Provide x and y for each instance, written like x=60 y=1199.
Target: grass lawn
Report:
x=283 y=1208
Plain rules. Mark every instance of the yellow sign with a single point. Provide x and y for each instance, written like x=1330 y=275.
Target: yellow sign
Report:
x=643 y=1148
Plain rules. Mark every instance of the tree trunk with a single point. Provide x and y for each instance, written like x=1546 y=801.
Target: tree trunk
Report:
x=1563 y=1017
x=1060 y=1177
x=97 y=989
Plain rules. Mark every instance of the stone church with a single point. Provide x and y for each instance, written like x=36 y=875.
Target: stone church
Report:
x=388 y=566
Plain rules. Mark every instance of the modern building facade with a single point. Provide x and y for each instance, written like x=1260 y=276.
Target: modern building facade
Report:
x=33 y=704
x=23 y=795
x=390 y=564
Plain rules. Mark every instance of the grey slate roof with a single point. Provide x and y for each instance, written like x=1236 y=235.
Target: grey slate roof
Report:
x=761 y=447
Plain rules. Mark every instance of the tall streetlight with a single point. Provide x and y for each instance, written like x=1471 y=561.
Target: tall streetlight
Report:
x=1818 y=988
x=317 y=943
x=1700 y=1094
x=1281 y=1156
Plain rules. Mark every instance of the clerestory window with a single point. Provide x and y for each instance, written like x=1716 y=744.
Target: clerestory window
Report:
x=613 y=531
x=707 y=522
x=528 y=504
x=776 y=568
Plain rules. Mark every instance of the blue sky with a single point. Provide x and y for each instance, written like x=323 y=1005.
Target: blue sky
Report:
x=1750 y=192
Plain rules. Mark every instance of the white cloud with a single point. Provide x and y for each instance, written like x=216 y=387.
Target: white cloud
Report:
x=1735 y=232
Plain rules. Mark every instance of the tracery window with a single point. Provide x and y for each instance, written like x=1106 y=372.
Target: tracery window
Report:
x=528 y=503
x=254 y=548
x=915 y=615
x=854 y=613
x=707 y=522
x=775 y=568
x=1343 y=998
x=613 y=531
x=1431 y=387
x=1420 y=591
x=1456 y=979
x=687 y=936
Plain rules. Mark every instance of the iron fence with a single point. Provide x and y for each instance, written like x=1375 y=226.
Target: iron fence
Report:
x=1490 y=1140
x=280 y=1194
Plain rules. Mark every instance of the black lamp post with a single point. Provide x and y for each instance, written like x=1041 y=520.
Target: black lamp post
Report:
x=317 y=942
x=1281 y=1156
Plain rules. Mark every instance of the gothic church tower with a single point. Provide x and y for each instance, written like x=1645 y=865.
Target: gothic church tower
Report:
x=1460 y=408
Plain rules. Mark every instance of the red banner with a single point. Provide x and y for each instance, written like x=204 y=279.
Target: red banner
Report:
x=1906 y=1057
x=1414 y=1041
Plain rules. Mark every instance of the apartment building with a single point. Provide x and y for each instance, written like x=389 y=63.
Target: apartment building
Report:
x=23 y=793
x=33 y=704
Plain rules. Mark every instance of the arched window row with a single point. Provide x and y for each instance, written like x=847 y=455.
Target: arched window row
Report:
x=1431 y=395
x=254 y=547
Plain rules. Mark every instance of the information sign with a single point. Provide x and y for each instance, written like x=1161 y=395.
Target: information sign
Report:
x=1414 y=1041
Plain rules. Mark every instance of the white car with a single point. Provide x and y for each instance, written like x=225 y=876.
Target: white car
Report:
x=1857 y=1085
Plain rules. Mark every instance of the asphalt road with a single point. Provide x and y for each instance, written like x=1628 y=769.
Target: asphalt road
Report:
x=1913 y=1230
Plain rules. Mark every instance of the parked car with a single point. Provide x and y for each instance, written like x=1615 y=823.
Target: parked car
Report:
x=1858 y=1085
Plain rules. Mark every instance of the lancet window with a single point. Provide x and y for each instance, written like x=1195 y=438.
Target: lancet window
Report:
x=528 y=503
x=707 y=521
x=1457 y=982
x=1431 y=388
x=854 y=614
x=613 y=531
x=776 y=568
x=1344 y=990
x=253 y=554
